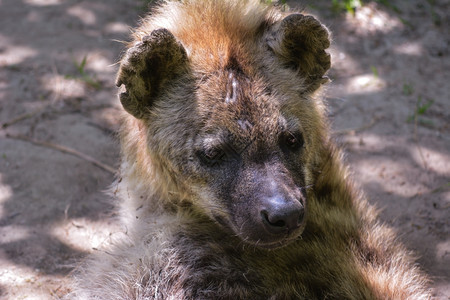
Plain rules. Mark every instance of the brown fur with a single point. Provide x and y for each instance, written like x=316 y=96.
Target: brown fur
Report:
x=201 y=76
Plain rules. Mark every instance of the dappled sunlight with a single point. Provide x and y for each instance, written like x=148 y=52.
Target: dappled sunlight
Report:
x=62 y=87
x=409 y=48
x=25 y=283
x=117 y=27
x=83 y=234
x=15 y=275
x=367 y=82
x=389 y=170
x=386 y=66
x=442 y=255
x=11 y=54
x=43 y=2
x=342 y=61
x=437 y=161
x=370 y=19
x=371 y=142
x=97 y=61
x=48 y=94
x=84 y=15
x=442 y=250
x=13 y=233
x=5 y=195
x=389 y=174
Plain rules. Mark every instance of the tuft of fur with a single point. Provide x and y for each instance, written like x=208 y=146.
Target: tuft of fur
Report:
x=195 y=67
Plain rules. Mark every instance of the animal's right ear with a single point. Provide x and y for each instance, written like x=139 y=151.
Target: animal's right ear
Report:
x=145 y=69
x=299 y=42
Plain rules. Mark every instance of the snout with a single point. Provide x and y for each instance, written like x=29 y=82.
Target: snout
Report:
x=281 y=216
x=271 y=209
x=269 y=222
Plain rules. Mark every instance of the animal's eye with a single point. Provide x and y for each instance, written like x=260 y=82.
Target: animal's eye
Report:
x=211 y=156
x=291 y=141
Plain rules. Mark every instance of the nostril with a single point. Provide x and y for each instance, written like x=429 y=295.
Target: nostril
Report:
x=273 y=222
x=279 y=223
x=283 y=218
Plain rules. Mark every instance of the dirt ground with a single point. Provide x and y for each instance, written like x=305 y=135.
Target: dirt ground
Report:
x=389 y=103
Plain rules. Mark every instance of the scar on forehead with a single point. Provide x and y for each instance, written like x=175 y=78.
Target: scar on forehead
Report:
x=245 y=125
x=232 y=86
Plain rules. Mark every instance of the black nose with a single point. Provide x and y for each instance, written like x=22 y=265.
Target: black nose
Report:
x=282 y=216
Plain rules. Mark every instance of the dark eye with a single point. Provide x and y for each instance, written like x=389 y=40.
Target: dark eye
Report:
x=291 y=141
x=211 y=156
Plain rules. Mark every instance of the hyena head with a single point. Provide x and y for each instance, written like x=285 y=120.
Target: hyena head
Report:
x=228 y=110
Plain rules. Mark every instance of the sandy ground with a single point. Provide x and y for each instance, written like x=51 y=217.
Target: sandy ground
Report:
x=389 y=103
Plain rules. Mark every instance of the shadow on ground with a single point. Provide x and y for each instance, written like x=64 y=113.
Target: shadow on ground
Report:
x=57 y=71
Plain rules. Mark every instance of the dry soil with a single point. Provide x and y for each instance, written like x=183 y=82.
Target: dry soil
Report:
x=389 y=103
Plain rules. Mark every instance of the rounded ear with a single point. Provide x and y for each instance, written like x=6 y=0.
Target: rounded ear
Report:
x=299 y=42
x=145 y=69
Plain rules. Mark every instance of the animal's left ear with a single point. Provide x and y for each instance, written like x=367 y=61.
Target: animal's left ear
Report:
x=299 y=42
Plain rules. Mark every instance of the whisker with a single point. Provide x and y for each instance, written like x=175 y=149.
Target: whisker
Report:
x=306 y=187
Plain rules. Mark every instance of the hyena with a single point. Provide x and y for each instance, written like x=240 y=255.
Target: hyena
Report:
x=230 y=186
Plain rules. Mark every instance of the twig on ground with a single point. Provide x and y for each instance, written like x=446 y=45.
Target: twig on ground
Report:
x=442 y=188
x=358 y=129
x=416 y=139
x=64 y=149
x=66 y=212
x=76 y=225
x=21 y=118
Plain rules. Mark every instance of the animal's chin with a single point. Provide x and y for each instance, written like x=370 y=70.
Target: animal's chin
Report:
x=259 y=239
x=274 y=243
